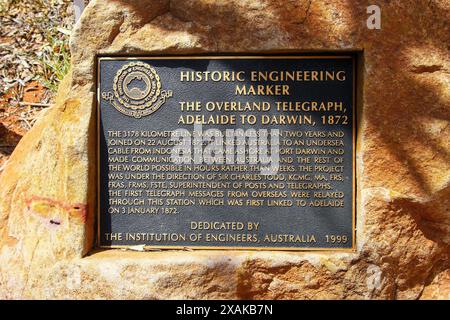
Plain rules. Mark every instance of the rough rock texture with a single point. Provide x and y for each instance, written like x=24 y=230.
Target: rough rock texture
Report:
x=403 y=159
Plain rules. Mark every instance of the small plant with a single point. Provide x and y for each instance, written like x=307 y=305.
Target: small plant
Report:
x=55 y=61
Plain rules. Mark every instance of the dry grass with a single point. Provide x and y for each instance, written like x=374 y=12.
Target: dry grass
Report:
x=31 y=32
x=34 y=57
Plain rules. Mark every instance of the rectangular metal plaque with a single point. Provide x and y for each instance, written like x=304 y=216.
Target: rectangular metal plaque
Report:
x=280 y=174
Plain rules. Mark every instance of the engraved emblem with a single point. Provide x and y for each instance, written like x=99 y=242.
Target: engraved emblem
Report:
x=137 y=90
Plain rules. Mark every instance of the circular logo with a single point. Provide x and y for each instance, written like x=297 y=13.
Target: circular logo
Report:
x=137 y=89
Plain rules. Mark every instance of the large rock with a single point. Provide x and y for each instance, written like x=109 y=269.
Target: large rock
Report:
x=47 y=194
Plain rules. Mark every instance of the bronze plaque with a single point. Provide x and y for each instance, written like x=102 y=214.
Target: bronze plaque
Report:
x=227 y=152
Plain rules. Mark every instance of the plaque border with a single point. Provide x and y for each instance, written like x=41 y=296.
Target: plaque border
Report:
x=150 y=248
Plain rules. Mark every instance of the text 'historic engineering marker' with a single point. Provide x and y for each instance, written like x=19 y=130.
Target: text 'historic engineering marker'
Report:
x=227 y=152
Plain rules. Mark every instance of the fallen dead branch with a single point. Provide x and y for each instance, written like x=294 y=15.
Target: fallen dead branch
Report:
x=35 y=104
